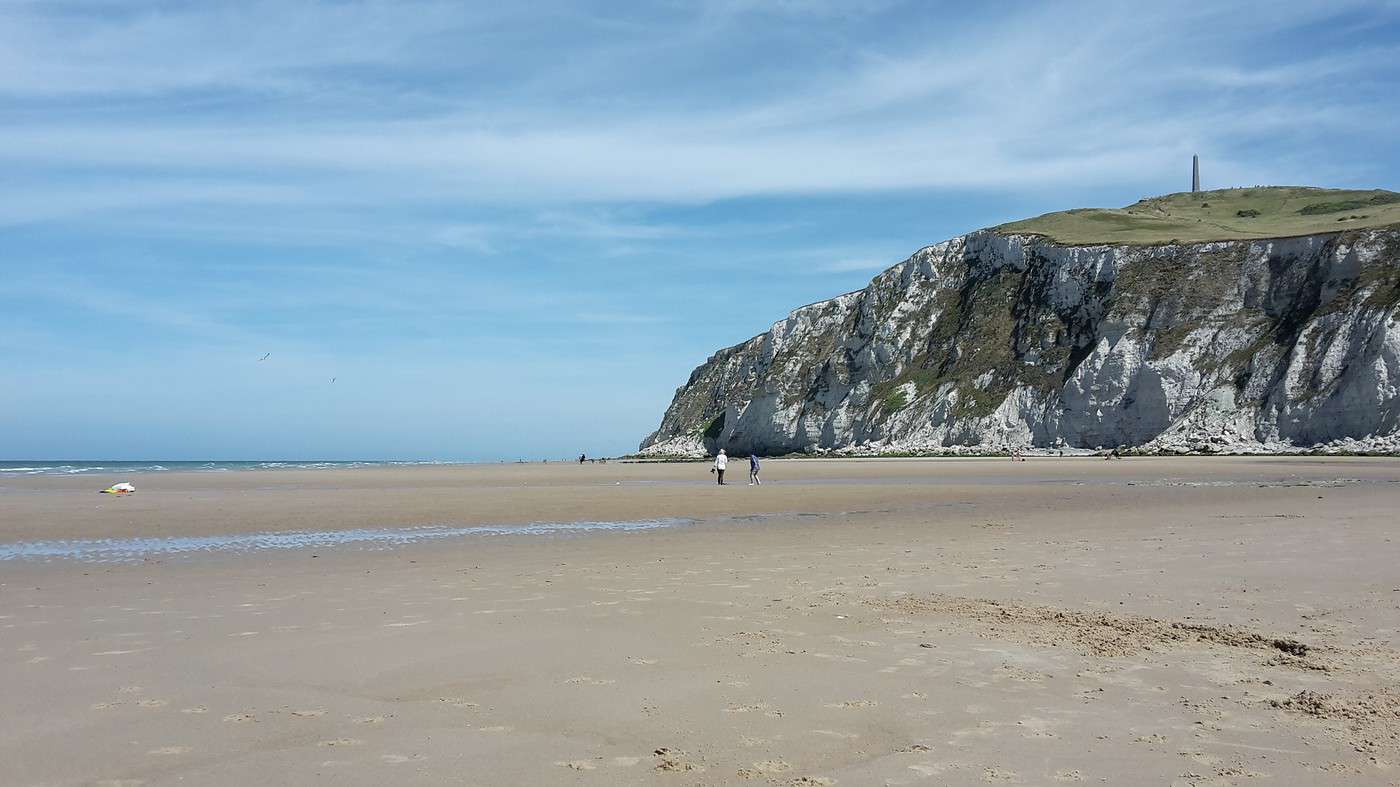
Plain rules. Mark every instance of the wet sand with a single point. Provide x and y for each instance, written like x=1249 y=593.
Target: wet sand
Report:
x=1147 y=621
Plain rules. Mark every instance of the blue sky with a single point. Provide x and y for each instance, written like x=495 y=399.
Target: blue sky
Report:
x=510 y=230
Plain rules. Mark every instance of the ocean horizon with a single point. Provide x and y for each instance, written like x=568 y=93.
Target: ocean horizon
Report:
x=21 y=467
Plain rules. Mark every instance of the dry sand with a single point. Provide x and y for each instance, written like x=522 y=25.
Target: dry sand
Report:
x=1185 y=621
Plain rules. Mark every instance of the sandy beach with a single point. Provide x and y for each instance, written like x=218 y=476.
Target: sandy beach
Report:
x=1194 y=621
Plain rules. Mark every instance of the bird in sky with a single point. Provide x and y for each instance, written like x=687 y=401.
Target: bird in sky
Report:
x=264 y=358
x=332 y=379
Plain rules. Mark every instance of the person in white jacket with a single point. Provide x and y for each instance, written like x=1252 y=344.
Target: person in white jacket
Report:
x=721 y=461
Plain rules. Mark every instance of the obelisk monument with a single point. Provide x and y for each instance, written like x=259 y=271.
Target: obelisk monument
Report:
x=1195 y=173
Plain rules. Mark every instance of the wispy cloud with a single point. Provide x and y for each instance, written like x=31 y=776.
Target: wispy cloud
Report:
x=1075 y=93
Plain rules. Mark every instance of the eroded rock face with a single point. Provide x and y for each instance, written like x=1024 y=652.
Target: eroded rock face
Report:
x=988 y=342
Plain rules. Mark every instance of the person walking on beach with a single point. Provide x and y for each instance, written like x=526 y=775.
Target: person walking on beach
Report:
x=753 y=470
x=720 y=462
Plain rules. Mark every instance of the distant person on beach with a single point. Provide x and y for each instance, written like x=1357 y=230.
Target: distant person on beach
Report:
x=582 y=458
x=721 y=462
x=753 y=470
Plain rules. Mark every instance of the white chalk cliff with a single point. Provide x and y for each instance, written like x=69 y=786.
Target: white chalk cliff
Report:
x=996 y=340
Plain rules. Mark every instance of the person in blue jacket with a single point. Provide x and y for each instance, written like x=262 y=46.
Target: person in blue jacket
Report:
x=753 y=470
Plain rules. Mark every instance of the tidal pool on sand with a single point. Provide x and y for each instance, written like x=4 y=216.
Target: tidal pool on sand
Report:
x=116 y=550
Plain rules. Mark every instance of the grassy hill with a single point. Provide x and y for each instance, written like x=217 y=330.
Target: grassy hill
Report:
x=1225 y=214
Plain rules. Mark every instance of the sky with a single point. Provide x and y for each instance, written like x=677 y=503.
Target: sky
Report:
x=484 y=231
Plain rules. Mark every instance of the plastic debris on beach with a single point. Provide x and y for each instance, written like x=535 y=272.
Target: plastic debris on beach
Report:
x=124 y=488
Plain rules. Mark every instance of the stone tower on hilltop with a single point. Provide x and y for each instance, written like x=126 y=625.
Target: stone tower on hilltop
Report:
x=1195 y=173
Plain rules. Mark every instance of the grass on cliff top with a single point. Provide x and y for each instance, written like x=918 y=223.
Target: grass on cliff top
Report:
x=1225 y=214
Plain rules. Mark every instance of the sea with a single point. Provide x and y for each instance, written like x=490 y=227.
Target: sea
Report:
x=84 y=466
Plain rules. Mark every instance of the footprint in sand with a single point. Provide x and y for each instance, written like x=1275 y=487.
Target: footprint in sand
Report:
x=239 y=717
x=341 y=742
x=577 y=765
x=837 y=657
x=396 y=759
x=308 y=714
x=165 y=751
x=642 y=662
x=1069 y=776
x=104 y=705
x=845 y=736
x=999 y=775
x=369 y=720
x=1036 y=728
x=852 y=704
x=673 y=761
x=764 y=707
x=459 y=702
x=152 y=704
x=764 y=768
x=1023 y=675
x=195 y=709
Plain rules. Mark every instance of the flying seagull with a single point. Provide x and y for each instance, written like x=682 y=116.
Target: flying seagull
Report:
x=332 y=379
x=264 y=358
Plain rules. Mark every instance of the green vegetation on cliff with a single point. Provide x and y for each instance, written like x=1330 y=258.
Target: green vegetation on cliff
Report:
x=1226 y=214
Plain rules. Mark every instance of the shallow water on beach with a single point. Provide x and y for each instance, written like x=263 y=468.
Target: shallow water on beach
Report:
x=123 y=550
x=84 y=466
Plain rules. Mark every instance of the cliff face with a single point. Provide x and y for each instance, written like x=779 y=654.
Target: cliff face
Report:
x=996 y=340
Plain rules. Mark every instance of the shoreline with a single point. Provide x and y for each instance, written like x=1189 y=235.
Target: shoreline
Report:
x=174 y=504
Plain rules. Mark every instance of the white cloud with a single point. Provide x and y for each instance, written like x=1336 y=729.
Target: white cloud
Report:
x=354 y=105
